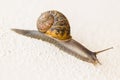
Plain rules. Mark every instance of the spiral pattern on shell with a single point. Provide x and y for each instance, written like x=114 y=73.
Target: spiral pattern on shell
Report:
x=54 y=24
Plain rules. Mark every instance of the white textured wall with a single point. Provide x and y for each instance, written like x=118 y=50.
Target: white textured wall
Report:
x=94 y=23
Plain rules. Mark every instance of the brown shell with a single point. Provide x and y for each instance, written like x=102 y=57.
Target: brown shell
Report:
x=54 y=24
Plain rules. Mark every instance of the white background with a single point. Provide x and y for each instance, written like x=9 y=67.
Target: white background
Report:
x=94 y=23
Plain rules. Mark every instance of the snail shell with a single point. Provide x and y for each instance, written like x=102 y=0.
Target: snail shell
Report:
x=54 y=24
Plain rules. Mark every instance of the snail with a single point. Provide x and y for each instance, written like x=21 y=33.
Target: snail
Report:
x=53 y=27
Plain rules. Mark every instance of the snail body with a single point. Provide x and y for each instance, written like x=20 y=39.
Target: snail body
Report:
x=53 y=27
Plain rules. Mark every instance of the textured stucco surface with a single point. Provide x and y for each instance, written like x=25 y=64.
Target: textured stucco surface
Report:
x=94 y=23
